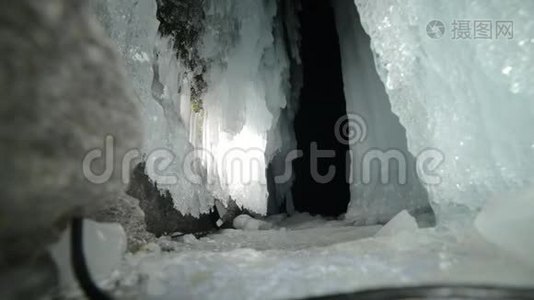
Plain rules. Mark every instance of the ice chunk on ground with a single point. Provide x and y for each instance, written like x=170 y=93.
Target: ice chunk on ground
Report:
x=402 y=222
x=104 y=247
x=246 y=222
x=189 y=239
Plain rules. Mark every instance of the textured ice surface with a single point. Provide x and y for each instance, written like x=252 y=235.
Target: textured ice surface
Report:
x=309 y=256
x=104 y=247
x=470 y=99
x=374 y=201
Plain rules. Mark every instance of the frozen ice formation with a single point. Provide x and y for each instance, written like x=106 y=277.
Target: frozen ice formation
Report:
x=470 y=100
x=375 y=201
x=471 y=105
x=156 y=77
x=460 y=117
x=247 y=89
x=247 y=76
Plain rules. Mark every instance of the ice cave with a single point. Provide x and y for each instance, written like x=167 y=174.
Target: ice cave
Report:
x=267 y=149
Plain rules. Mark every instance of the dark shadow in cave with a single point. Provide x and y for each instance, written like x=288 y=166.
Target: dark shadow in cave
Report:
x=161 y=217
x=322 y=103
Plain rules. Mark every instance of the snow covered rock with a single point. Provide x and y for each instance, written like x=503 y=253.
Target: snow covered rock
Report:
x=63 y=93
x=127 y=212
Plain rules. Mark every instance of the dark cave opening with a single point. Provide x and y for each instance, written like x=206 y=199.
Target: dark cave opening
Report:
x=322 y=104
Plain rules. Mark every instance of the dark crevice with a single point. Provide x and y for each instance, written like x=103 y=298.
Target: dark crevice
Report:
x=322 y=103
x=183 y=21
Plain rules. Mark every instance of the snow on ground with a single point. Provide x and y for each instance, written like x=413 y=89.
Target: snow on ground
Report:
x=306 y=256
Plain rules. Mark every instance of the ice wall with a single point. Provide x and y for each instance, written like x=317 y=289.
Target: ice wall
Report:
x=470 y=99
x=221 y=151
x=374 y=201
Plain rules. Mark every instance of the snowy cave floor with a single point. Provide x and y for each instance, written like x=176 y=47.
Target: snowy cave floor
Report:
x=305 y=256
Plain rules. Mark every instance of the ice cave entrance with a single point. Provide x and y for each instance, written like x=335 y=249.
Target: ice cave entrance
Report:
x=321 y=105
